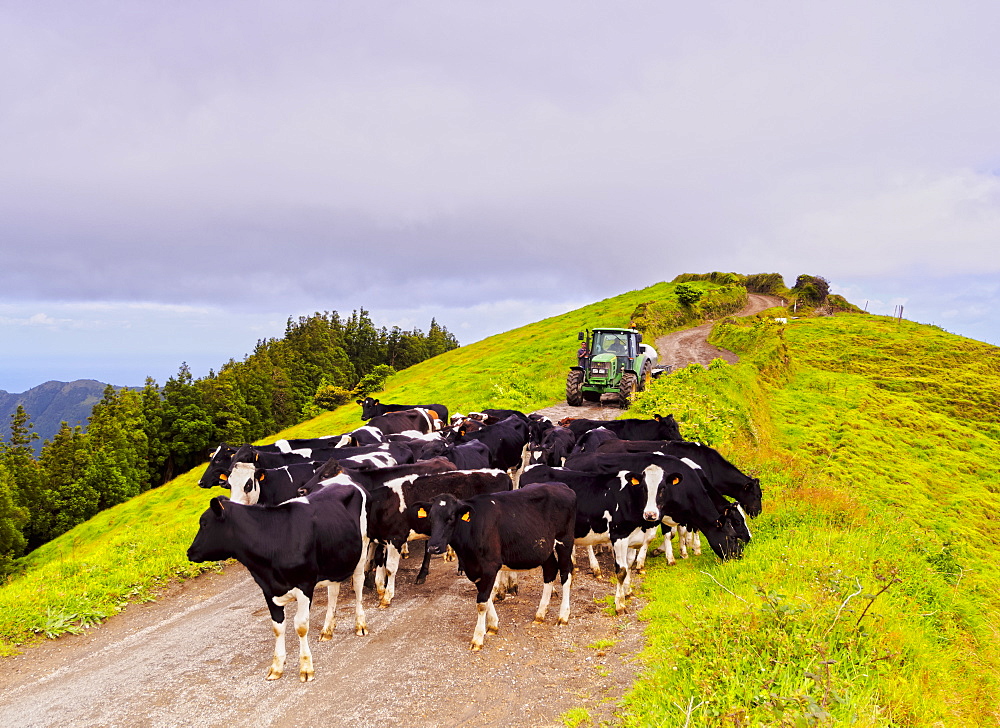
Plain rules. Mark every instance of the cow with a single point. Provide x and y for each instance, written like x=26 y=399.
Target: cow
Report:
x=554 y=447
x=658 y=428
x=624 y=502
x=722 y=474
x=250 y=485
x=225 y=456
x=518 y=530
x=590 y=440
x=472 y=455
x=290 y=549
x=392 y=521
x=373 y=408
x=507 y=441
x=417 y=419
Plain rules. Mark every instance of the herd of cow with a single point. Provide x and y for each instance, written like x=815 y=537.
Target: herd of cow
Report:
x=502 y=490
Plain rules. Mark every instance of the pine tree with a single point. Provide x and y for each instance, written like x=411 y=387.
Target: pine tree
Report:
x=12 y=520
x=30 y=490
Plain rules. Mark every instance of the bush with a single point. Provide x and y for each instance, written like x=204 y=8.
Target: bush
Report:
x=687 y=294
x=373 y=381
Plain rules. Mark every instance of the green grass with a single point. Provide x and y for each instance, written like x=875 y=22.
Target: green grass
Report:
x=867 y=595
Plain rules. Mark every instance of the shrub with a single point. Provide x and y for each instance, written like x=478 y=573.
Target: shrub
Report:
x=687 y=294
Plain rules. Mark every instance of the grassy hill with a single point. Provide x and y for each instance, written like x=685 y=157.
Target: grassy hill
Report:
x=866 y=595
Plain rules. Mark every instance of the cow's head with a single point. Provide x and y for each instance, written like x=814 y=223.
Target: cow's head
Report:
x=244 y=487
x=217 y=471
x=439 y=519
x=751 y=497
x=330 y=469
x=645 y=486
x=368 y=406
x=213 y=540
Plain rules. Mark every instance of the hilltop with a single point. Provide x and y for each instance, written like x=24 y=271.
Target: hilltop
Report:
x=53 y=402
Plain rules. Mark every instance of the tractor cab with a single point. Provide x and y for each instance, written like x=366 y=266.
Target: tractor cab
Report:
x=616 y=361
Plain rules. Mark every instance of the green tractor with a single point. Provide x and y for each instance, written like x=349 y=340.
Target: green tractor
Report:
x=613 y=360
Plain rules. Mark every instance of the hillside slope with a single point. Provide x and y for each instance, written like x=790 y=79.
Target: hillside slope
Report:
x=53 y=402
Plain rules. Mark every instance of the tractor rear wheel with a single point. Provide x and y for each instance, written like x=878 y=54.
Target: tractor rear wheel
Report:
x=626 y=389
x=574 y=388
x=644 y=377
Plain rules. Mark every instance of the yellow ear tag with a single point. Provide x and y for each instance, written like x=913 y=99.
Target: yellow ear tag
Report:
x=223 y=477
x=675 y=481
x=421 y=513
x=466 y=516
x=635 y=481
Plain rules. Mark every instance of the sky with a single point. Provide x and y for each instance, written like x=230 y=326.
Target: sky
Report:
x=177 y=179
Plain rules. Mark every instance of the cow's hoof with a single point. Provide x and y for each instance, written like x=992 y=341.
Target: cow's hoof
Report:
x=539 y=620
x=598 y=574
x=672 y=562
x=499 y=596
x=273 y=674
x=658 y=552
x=620 y=611
x=326 y=635
x=476 y=647
x=492 y=630
x=361 y=630
x=307 y=676
x=420 y=580
x=384 y=604
x=641 y=570
x=561 y=621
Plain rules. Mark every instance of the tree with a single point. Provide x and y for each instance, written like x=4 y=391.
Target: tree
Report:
x=687 y=294
x=186 y=426
x=811 y=289
x=12 y=520
x=30 y=490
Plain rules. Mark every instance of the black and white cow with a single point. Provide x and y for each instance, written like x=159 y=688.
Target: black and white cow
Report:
x=373 y=408
x=226 y=456
x=610 y=508
x=726 y=477
x=392 y=521
x=590 y=440
x=554 y=447
x=250 y=485
x=417 y=419
x=290 y=549
x=521 y=529
x=658 y=428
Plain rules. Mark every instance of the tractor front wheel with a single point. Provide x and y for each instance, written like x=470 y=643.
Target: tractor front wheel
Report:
x=626 y=389
x=574 y=388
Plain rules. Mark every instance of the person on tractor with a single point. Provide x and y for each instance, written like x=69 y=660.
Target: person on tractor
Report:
x=582 y=353
x=617 y=347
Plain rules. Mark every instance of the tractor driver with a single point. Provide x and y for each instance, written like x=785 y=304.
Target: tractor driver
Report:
x=617 y=347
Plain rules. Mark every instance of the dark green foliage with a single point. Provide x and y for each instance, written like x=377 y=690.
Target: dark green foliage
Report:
x=687 y=294
x=374 y=380
x=811 y=290
x=838 y=304
x=12 y=519
x=771 y=283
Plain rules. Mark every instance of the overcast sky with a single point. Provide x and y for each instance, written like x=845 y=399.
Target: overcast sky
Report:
x=176 y=179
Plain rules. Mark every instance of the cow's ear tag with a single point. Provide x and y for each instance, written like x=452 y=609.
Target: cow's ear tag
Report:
x=256 y=456
x=261 y=476
x=675 y=481
x=466 y=516
x=421 y=513
x=223 y=477
x=635 y=481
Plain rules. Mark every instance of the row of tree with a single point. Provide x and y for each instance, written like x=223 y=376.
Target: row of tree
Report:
x=138 y=439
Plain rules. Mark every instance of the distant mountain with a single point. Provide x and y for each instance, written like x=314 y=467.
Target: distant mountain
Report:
x=49 y=404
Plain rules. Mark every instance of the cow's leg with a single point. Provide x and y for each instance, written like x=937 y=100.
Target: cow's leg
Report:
x=550 y=568
x=623 y=583
x=330 y=621
x=486 y=614
x=594 y=566
x=301 y=621
x=564 y=554
x=506 y=584
x=696 y=542
x=425 y=565
x=405 y=551
x=358 y=582
x=668 y=546
x=640 y=557
x=277 y=611
x=391 y=567
x=682 y=541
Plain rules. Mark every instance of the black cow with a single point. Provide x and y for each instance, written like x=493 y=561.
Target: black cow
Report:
x=658 y=428
x=554 y=447
x=590 y=440
x=373 y=408
x=290 y=549
x=520 y=529
x=392 y=520
x=726 y=477
x=472 y=455
x=507 y=441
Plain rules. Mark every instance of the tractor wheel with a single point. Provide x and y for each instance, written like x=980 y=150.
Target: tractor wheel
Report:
x=574 y=384
x=626 y=389
x=644 y=377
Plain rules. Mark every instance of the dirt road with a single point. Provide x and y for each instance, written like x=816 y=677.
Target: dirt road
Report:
x=198 y=655
x=689 y=346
